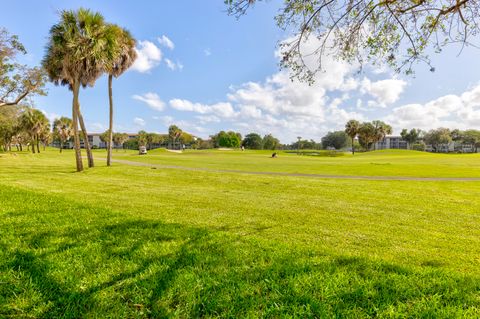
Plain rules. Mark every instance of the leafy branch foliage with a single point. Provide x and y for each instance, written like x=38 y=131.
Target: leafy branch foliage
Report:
x=17 y=81
x=393 y=32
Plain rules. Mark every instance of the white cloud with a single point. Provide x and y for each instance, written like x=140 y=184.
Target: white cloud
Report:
x=207 y=52
x=166 y=42
x=166 y=120
x=288 y=108
x=223 y=109
x=139 y=121
x=454 y=111
x=148 y=56
x=152 y=100
x=384 y=91
x=173 y=66
x=204 y=119
x=170 y=64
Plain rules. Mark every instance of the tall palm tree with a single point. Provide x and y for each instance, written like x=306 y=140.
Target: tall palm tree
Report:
x=351 y=128
x=62 y=130
x=78 y=49
x=122 y=59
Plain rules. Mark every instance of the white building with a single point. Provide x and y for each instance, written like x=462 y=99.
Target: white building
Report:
x=392 y=142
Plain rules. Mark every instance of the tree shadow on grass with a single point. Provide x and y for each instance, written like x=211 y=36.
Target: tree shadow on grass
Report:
x=119 y=267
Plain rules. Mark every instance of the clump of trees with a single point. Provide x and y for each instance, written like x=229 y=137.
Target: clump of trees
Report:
x=270 y=142
x=305 y=145
x=20 y=124
x=82 y=47
x=113 y=140
x=175 y=139
x=368 y=133
x=471 y=137
x=253 y=141
x=231 y=139
x=24 y=126
x=336 y=140
x=438 y=137
x=412 y=137
x=228 y=139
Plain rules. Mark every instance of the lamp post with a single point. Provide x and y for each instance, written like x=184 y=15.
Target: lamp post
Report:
x=298 y=145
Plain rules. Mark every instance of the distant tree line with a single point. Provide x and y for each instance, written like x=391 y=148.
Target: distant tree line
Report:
x=368 y=134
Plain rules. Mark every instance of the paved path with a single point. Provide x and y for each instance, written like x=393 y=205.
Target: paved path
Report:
x=324 y=176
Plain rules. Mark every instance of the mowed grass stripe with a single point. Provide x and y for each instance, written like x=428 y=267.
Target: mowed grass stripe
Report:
x=378 y=178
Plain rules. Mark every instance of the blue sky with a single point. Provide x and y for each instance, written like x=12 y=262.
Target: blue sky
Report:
x=206 y=71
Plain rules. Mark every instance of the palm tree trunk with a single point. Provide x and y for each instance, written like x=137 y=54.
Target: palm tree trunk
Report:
x=21 y=148
x=85 y=138
x=353 y=146
x=61 y=146
x=110 y=125
x=76 y=135
x=38 y=146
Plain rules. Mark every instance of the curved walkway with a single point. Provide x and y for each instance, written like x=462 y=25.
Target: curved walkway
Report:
x=323 y=176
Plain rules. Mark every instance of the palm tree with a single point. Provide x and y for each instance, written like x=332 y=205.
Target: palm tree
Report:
x=79 y=47
x=119 y=139
x=381 y=130
x=174 y=132
x=46 y=137
x=36 y=124
x=122 y=59
x=366 y=135
x=351 y=128
x=62 y=130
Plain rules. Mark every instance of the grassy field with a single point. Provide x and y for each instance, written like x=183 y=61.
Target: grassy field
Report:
x=138 y=242
x=381 y=163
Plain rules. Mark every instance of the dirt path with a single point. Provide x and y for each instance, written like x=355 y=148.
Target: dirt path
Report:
x=373 y=178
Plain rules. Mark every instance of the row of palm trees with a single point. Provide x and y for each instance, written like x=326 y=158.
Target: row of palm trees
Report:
x=82 y=47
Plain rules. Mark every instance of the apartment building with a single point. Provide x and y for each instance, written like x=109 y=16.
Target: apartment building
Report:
x=392 y=142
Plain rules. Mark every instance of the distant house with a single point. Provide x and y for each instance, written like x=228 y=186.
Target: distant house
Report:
x=392 y=142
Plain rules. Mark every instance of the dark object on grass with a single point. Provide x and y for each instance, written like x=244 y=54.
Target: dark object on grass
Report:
x=154 y=168
x=274 y=155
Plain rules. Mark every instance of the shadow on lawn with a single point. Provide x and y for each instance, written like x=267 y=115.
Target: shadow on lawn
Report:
x=120 y=267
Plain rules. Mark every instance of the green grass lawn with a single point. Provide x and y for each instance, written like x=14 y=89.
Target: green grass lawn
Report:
x=381 y=163
x=138 y=242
